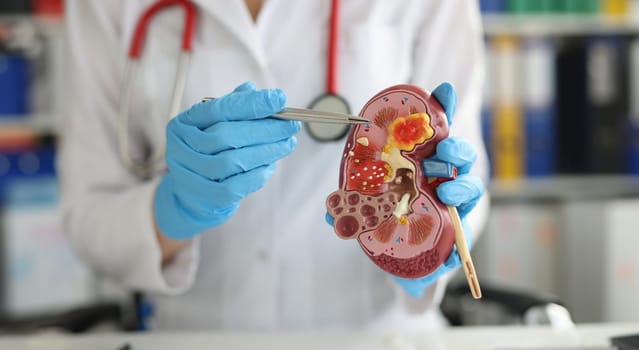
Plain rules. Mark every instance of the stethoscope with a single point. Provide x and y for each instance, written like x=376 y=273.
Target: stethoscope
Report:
x=330 y=100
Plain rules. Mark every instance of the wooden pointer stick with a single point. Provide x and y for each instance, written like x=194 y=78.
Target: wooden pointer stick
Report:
x=437 y=168
x=464 y=254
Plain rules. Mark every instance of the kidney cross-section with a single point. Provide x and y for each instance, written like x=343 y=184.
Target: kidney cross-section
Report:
x=384 y=200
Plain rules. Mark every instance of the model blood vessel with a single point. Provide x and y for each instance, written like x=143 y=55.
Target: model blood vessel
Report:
x=384 y=200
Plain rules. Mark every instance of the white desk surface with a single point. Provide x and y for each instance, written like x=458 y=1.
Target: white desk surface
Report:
x=590 y=336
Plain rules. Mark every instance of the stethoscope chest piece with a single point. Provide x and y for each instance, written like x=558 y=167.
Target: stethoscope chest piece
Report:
x=327 y=132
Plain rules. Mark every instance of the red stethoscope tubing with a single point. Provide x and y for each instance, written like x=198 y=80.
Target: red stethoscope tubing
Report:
x=190 y=22
x=188 y=33
x=333 y=42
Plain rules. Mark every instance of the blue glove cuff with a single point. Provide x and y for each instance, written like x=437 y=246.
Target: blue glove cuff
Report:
x=178 y=222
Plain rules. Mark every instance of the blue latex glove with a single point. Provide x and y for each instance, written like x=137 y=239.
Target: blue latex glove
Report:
x=464 y=192
x=217 y=153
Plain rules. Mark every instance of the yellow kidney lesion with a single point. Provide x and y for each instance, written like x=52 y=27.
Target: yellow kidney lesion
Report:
x=406 y=132
x=403 y=134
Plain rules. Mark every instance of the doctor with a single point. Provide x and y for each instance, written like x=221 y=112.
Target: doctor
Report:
x=232 y=234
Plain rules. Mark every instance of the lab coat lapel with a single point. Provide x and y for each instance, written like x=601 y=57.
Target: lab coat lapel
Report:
x=234 y=16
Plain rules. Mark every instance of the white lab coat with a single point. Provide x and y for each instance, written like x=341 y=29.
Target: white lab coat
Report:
x=275 y=264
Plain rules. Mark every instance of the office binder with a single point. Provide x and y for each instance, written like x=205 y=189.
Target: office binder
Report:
x=607 y=103
x=539 y=101
x=507 y=141
x=632 y=143
x=615 y=8
x=571 y=107
x=592 y=105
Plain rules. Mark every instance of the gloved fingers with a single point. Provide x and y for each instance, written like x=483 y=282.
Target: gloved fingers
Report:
x=458 y=152
x=225 y=164
x=447 y=97
x=194 y=192
x=204 y=197
x=464 y=192
x=202 y=211
x=329 y=219
x=178 y=219
x=245 y=86
x=230 y=135
x=238 y=105
x=454 y=260
x=465 y=208
x=236 y=187
x=413 y=287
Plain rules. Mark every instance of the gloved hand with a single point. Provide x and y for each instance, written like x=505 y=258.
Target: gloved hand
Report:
x=217 y=153
x=464 y=192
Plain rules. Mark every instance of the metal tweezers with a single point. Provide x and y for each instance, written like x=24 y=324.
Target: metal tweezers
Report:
x=311 y=115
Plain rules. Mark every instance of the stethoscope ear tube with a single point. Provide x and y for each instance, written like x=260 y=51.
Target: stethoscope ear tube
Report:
x=147 y=168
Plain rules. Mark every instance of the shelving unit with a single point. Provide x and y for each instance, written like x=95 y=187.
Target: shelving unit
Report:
x=561 y=27
x=41 y=22
x=555 y=25
x=564 y=234
x=564 y=188
x=41 y=124
x=32 y=34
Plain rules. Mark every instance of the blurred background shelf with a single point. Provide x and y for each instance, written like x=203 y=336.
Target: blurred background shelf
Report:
x=557 y=24
x=44 y=21
x=40 y=124
x=565 y=188
x=561 y=126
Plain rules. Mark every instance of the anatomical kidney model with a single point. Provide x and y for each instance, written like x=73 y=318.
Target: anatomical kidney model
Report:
x=384 y=200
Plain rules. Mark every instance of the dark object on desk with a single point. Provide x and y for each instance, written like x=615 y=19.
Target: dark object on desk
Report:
x=502 y=306
x=74 y=321
x=124 y=315
x=130 y=314
x=126 y=346
x=630 y=342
